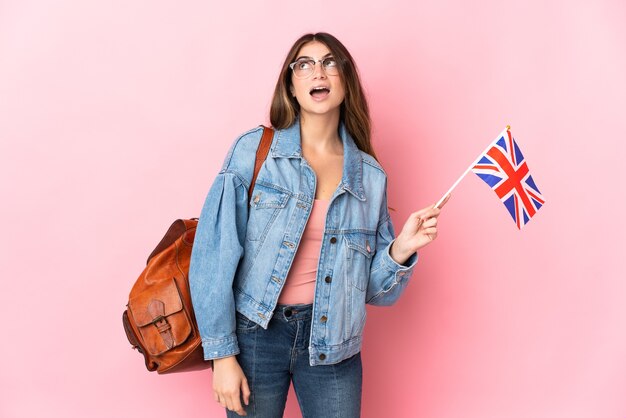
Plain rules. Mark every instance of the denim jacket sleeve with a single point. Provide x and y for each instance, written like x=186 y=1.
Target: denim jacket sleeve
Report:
x=218 y=247
x=388 y=279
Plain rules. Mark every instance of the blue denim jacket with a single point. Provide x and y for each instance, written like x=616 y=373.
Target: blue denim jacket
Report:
x=243 y=248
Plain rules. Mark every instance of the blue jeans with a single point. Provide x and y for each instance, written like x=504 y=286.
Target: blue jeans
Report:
x=273 y=358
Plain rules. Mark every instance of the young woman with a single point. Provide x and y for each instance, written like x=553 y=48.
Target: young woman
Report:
x=280 y=281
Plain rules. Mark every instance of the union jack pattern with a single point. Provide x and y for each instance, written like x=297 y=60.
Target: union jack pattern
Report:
x=504 y=169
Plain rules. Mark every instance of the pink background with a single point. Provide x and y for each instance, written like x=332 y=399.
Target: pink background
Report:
x=115 y=117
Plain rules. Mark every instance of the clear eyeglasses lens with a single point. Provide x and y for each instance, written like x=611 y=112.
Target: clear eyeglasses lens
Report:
x=304 y=67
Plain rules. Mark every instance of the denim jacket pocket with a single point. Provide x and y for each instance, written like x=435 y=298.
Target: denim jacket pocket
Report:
x=265 y=205
x=359 y=251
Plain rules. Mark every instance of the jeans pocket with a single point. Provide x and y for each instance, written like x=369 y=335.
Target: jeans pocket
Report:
x=244 y=324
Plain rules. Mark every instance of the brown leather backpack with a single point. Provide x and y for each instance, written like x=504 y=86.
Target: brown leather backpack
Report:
x=159 y=319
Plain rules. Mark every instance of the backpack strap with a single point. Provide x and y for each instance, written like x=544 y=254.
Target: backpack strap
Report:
x=261 y=155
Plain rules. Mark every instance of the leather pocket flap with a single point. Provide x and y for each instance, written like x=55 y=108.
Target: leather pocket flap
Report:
x=159 y=315
x=165 y=292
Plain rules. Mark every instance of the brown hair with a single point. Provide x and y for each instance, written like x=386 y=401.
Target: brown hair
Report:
x=354 y=110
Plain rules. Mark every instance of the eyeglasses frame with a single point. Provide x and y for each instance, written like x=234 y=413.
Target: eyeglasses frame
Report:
x=321 y=61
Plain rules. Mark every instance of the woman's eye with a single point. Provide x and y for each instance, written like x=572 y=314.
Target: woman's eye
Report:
x=330 y=62
x=304 y=65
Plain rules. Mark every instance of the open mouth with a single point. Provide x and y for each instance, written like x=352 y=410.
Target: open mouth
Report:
x=319 y=92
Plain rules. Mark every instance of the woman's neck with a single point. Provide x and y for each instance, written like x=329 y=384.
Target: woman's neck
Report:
x=320 y=132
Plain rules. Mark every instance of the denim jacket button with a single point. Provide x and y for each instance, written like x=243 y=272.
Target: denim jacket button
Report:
x=323 y=319
x=333 y=240
x=328 y=279
x=322 y=356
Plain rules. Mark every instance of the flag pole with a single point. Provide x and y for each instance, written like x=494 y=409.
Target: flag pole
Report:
x=508 y=128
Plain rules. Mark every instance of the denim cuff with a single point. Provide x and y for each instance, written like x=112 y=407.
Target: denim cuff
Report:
x=215 y=348
x=400 y=271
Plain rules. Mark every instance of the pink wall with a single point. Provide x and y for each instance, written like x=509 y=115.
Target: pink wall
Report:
x=115 y=117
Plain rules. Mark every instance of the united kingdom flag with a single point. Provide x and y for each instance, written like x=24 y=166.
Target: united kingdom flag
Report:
x=504 y=169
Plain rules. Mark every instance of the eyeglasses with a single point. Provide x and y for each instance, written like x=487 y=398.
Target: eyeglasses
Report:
x=304 y=67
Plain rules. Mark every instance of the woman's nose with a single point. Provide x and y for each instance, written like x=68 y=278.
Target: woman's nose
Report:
x=318 y=70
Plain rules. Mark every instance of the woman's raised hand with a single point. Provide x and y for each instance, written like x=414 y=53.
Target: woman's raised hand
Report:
x=419 y=230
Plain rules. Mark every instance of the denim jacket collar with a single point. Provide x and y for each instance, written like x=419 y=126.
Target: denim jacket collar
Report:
x=288 y=145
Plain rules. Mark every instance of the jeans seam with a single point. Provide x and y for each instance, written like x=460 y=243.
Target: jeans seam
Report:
x=294 y=348
x=334 y=366
x=254 y=361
